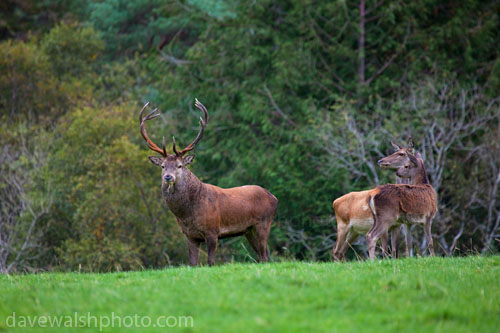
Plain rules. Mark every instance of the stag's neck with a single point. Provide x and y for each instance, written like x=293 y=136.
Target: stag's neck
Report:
x=183 y=197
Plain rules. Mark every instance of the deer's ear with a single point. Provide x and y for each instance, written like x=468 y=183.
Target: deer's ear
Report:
x=155 y=160
x=396 y=146
x=410 y=143
x=413 y=159
x=188 y=159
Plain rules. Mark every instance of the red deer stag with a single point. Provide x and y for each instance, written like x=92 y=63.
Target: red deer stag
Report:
x=206 y=212
x=400 y=203
x=354 y=217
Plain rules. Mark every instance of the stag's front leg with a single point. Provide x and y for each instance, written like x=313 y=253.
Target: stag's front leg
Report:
x=211 y=248
x=194 y=251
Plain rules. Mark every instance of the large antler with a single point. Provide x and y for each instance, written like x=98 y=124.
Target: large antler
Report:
x=203 y=124
x=142 y=120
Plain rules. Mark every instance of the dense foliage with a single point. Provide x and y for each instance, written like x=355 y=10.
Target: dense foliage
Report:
x=304 y=98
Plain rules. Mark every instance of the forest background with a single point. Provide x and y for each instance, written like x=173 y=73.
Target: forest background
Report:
x=303 y=96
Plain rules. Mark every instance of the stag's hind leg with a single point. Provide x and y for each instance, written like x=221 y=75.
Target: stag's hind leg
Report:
x=262 y=231
x=251 y=236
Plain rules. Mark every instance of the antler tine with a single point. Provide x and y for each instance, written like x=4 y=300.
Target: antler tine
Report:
x=163 y=147
x=174 y=148
x=202 y=108
x=203 y=124
x=142 y=111
x=142 y=120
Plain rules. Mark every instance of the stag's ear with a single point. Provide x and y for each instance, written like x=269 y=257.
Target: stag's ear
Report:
x=396 y=146
x=188 y=159
x=155 y=160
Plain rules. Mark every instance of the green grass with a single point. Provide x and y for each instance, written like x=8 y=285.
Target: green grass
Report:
x=423 y=295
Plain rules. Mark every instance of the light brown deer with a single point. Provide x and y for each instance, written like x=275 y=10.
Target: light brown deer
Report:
x=400 y=203
x=206 y=212
x=352 y=212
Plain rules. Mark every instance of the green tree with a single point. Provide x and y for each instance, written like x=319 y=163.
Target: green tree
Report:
x=113 y=217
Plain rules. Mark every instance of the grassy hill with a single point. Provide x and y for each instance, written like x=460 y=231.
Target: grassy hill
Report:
x=426 y=294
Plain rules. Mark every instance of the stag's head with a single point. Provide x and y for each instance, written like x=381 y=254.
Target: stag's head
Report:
x=173 y=165
x=400 y=156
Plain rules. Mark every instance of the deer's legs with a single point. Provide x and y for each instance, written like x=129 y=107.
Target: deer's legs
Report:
x=384 y=239
x=394 y=241
x=211 y=241
x=351 y=238
x=263 y=230
x=379 y=228
x=194 y=251
x=342 y=230
x=409 y=239
x=428 y=234
x=251 y=236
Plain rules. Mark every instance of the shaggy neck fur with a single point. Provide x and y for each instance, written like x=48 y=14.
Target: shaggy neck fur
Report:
x=184 y=195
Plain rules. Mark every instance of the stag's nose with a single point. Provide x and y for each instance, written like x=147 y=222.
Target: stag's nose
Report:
x=379 y=162
x=168 y=178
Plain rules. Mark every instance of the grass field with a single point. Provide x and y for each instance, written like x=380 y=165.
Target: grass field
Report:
x=423 y=295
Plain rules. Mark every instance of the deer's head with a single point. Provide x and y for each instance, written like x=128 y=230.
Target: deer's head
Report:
x=173 y=166
x=400 y=156
x=410 y=169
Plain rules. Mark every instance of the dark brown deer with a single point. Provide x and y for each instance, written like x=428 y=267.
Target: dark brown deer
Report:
x=400 y=203
x=394 y=162
x=352 y=212
x=206 y=212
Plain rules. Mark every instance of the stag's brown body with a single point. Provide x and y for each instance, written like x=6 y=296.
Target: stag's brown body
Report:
x=353 y=214
x=206 y=212
x=394 y=204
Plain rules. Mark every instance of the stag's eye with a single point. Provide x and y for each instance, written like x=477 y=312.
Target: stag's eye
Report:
x=163 y=167
x=179 y=166
x=401 y=154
